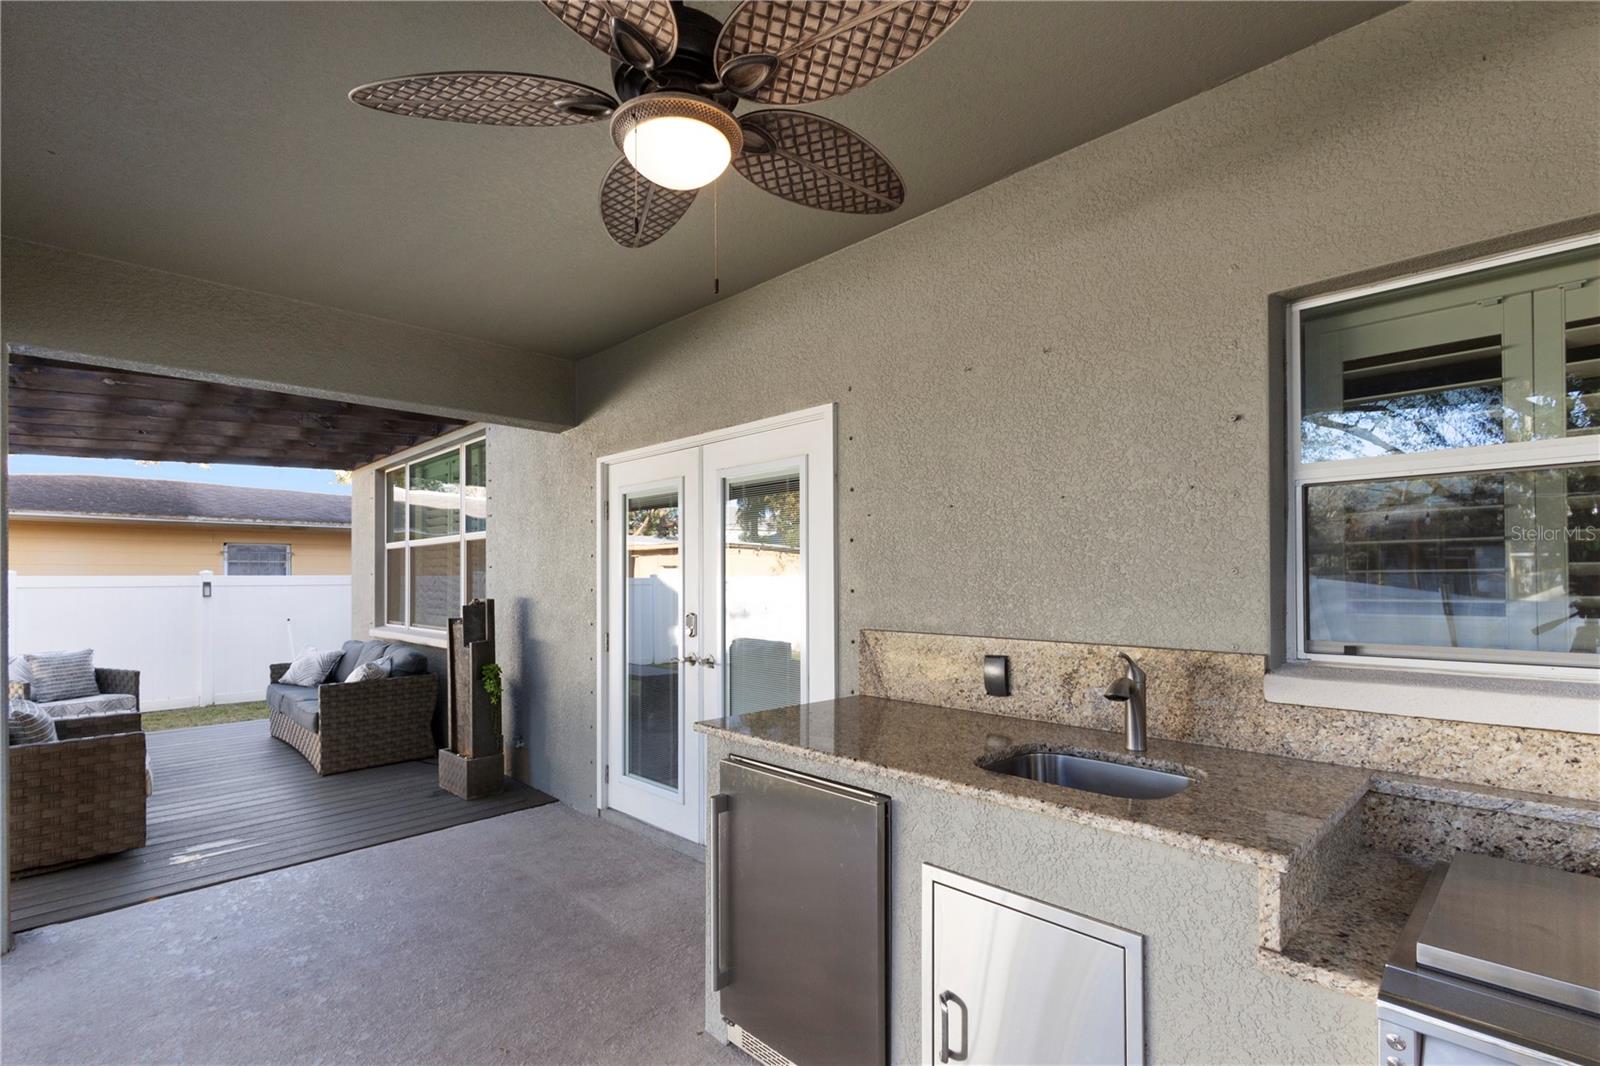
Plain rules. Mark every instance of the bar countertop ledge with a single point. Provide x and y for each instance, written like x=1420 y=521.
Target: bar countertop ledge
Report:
x=1333 y=898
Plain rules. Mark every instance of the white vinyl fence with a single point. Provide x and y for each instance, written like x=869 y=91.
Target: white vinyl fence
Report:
x=195 y=639
x=761 y=607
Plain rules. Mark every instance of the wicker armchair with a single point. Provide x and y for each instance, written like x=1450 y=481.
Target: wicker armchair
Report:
x=367 y=723
x=80 y=796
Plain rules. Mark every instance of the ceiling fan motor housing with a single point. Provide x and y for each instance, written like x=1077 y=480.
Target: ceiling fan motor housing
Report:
x=691 y=69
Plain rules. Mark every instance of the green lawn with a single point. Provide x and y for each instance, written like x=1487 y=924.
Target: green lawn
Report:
x=182 y=719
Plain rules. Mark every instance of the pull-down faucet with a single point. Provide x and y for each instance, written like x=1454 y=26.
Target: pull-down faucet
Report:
x=1129 y=689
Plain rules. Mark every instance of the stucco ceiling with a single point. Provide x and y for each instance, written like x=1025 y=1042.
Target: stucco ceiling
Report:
x=215 y=140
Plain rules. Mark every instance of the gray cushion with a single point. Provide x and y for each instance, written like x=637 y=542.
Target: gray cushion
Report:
x=62 y=675
x=17 y=670
x=27 y=723
x=372 y=651
x=348 y=661
x=99 y=704
x=280 y=696
x=405 y=661
x=304 y=711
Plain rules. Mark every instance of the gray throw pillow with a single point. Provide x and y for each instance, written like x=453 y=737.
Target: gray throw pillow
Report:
x=62 y=675
x=28 y=723
x=373 y=671
x=311 y=667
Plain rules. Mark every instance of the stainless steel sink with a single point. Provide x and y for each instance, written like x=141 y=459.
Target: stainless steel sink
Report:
x=1092 y=775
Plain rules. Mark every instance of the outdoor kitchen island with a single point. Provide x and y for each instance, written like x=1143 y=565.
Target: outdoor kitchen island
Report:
x=1266 y=903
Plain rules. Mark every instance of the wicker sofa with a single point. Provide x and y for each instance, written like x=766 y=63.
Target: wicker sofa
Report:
x=80 y=796
x=341 y=726
x=118 y=691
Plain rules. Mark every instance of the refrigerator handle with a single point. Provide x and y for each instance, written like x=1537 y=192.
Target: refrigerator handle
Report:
x=719 y=902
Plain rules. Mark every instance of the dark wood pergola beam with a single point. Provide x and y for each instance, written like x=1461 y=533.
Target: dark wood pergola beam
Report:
x=42 y=404
x=61 y=408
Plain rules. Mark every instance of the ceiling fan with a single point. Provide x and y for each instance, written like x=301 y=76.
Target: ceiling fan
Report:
x=679 y=74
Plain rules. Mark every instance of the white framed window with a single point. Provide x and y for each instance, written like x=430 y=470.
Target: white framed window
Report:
x=256 y=560
x=1444 y=469
x=435 y=536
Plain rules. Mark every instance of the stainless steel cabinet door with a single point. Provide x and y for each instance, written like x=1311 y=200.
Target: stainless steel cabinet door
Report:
x=1013 y=987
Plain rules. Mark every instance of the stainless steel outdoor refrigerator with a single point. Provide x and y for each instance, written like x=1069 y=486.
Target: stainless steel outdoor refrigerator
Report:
x=801 y=874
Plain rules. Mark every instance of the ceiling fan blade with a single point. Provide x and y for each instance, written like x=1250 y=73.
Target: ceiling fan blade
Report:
x=487 y=98
x=778 y=52
x=635 y=209
x=812 y=161
x=641 y=33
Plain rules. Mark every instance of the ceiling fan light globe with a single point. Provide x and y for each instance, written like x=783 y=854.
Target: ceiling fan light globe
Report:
x=676 y=140
x=677 y=152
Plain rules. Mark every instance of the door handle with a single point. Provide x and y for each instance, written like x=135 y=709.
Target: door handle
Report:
x=721 y=977
x=708 y=661
x=945 y=1054
x=689 y=658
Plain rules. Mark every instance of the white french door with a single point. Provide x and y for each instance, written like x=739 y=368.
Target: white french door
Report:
x=718 y=579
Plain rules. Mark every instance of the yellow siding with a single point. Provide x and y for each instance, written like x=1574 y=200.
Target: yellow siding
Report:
x=78 y=548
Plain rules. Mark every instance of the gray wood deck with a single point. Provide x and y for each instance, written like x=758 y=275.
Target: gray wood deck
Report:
x=230 y=801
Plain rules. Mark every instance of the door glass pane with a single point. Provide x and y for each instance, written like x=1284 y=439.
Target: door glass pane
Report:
x=436 y=496
x=477 y=570
x=764 y=592
x=652 y=612
x=435 y=584
x=394 y=494
x=394 y=585
x=1489 y=566
x=476 y=492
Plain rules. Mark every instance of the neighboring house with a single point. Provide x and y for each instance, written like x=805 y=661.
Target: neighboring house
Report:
x=81 y=524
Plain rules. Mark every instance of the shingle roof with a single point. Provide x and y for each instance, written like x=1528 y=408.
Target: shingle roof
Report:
x=88 y=494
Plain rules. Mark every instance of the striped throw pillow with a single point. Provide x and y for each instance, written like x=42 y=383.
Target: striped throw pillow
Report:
x=376 y=670
x=27 y=723
x=311 y=667
x=62 y=675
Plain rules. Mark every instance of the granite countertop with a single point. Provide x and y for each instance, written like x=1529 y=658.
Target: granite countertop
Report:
x=1331 y=906
x=1264 y=810
x=1344 y=940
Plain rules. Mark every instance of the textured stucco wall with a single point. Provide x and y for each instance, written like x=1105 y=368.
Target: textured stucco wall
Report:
x=1207 y=1000
x=100 y=310
x=1056 y=399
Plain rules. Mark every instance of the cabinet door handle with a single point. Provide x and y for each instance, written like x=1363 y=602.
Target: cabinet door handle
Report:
x=945 y=1054
x=721 y=977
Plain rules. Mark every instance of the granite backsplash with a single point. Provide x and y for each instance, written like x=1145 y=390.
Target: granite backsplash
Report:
x=1216 y=698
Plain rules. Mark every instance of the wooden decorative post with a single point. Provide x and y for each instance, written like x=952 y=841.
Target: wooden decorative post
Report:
x=474 y=763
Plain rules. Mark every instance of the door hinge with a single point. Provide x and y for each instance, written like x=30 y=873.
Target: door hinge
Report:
x=605 y=774
x=608 y=643
x=607 y=512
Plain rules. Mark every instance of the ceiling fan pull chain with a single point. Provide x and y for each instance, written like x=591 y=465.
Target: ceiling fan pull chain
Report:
x=716 y=270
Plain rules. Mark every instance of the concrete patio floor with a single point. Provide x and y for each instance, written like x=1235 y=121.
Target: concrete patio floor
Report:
x=540 y=936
